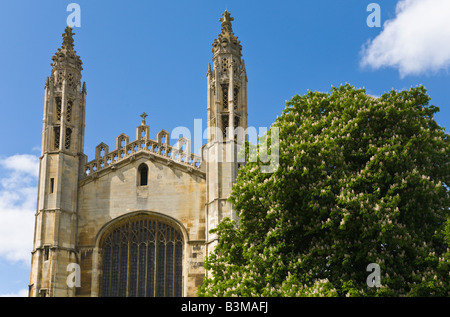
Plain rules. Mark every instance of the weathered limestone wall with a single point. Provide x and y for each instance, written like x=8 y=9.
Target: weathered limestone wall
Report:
x=55 y=226
x=172 y=192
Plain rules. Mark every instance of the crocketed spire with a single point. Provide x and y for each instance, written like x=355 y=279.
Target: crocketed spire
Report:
x=227 y=41
x=68 y=38
x=66 y=55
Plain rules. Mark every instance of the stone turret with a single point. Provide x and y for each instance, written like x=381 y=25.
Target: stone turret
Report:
x=227 y=123
x=62 y=155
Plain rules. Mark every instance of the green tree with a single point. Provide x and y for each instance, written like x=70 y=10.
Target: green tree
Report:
x=360 y=180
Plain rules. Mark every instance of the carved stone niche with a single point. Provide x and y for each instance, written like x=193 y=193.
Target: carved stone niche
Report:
x=161 y=136
x=99 y=148
x=184 y=141
x=122 y=141
x=143 y=132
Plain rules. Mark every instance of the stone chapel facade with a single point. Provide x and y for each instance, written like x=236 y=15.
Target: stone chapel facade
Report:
x=135 y=220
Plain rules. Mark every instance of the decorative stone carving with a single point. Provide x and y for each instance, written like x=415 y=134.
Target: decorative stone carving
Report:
x=227 y=41
x=66 y=55
x=99 y=148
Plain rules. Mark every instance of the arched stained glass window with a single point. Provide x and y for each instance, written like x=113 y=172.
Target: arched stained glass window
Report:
x=142 y=256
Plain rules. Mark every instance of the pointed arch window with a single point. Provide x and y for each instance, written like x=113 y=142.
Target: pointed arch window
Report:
x=142 y=256
x=143 y=175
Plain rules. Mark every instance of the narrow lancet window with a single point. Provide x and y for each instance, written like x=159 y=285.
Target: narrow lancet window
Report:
x=225 y=96
x=68 y=136
x=236 y=99
x=69 y=111
x=58 y=108
x=143 y=175
x=46 y=253
x=225 y=124
x=56 y=131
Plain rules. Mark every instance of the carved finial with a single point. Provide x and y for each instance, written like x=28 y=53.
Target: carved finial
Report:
x=226 y=22
x=227 y=40
x=243 y=70
x=66 y=55
x=209 y=71
x=68 y=38
x=143 y=116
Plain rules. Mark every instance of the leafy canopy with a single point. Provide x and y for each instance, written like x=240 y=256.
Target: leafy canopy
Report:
x=360 y=180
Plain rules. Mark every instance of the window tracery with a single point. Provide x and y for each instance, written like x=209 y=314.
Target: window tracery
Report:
x=59 y=79
x=58 y=108
x=69 y=111
x=225 y=123
x=70 y=81
x=225 y=96
x=235 y=97
x=56 y=132
x=225 y=64
x=68 y=137
x=142 y=257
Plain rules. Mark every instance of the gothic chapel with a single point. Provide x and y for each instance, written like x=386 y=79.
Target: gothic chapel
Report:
x=134 y=220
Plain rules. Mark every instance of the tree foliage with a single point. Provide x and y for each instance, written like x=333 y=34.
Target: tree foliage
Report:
x=360 y=180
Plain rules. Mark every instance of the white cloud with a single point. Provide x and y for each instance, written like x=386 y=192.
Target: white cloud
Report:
x=22 y=163
x=415 y=42
x=21 y=293
x=18 y=195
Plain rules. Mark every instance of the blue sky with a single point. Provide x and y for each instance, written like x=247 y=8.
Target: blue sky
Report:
x=152 y=56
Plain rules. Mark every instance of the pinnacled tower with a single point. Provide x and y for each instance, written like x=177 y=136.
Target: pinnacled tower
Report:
x=227 y=124
x=62 y=154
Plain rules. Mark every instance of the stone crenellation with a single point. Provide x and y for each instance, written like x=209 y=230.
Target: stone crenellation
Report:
x=157 y=149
